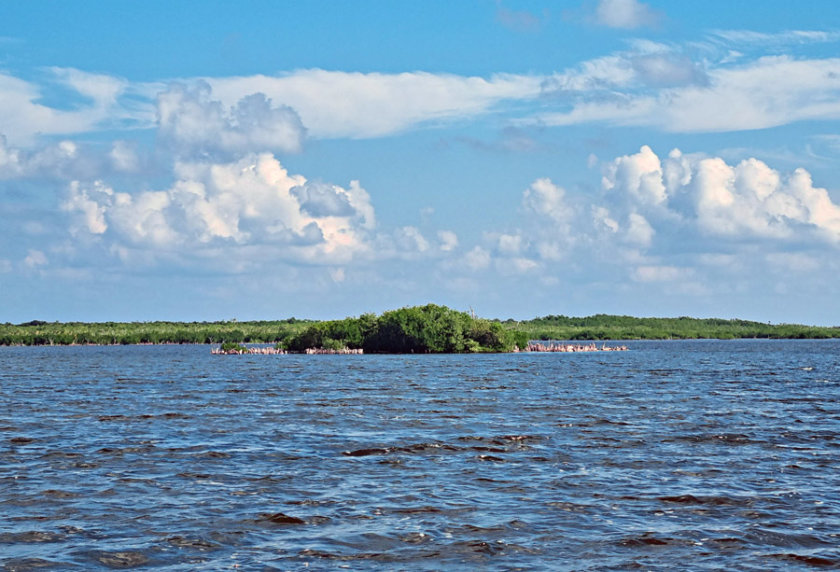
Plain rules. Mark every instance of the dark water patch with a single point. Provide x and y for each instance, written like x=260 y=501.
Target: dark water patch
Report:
x=28 y=564
x=193 y=543
x=646 y=539
x=719 y=438
x=708 y=500
x=809 y=559
x=59 y=494
x=323 y=554
x=416 y=448
x=120 y=560
x=31 y=536
x=368 y=452
x=280 y=518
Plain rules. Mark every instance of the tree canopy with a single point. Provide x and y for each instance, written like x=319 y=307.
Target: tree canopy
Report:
x=418 y=329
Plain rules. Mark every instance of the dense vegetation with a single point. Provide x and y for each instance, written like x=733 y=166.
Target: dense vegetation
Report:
x=48 y=333
x=421 y=329
x=606 y=327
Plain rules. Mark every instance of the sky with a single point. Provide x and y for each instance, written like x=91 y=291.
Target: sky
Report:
x=205 y=160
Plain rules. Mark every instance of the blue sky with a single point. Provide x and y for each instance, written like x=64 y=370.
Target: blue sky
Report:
x=261 y=160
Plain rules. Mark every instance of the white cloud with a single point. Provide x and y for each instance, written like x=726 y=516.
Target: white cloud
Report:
x=409 y=239
x=91 y=204
x=763 y=39
x=509 y=244
x=660 y=273
x=476 y=259
x=448 y=240
x=123 y=156
x=767 y=92
x=107 y=102
x=516 y=265
x=546 y=199
x=668 y=87
x=10 y=162
x=35 y=259
x=793 y=261
x=58 y=160
x=194 y=122
x=219 y=210
x=680 y=225
x=639 y=231
x=626 y=14
x=749 y=199
x=639 y=176
x=358 y=105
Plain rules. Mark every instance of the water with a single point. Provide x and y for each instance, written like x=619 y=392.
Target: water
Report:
x=701 y=455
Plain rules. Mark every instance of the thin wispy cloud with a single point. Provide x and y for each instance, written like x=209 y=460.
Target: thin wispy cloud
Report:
x=786 y=37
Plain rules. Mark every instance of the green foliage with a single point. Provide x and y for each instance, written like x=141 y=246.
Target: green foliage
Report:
x=421 y=329
x=606 y=327
x=233 y=347
x=43 y=333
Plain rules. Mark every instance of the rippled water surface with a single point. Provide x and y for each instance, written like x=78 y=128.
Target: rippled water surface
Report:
x=699 y=455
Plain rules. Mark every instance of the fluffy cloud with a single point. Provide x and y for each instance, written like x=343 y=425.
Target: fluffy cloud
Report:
x=676 y=223
x=60 y=160
x=195 y=123
x=448 y=240
x=747 y=200
x=217 y=208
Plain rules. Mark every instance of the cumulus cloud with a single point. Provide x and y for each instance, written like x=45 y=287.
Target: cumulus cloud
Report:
x=625 y=14
x=448 y=240
x=62 y=160
x=409 y=239
x=476 y=259
x=193 y=122
x=215 y=208
x=546 y=199
x=746 y=200
x=676 y=223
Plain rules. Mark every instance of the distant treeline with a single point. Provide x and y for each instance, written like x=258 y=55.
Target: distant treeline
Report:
x=607 y=327
x=37 y=332
x=427 y=328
